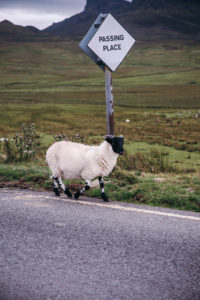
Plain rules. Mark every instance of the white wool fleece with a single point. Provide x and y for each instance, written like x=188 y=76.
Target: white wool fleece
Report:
x=77 y=161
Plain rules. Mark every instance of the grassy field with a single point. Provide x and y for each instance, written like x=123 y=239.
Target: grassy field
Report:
x=157 y=88
x=58 y=88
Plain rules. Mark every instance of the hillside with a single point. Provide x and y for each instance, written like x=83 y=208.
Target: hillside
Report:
x=145 y=19
x=10 y=31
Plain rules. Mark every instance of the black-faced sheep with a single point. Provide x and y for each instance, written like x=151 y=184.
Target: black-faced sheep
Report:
x=71 y=160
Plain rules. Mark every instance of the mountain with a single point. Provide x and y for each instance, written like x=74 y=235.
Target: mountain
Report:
x=9 y=31
x=175 y=19
x=80 y=23
x=144 y=19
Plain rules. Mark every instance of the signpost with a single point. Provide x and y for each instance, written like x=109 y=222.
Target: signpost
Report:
x=107 y=43
x=109 y=102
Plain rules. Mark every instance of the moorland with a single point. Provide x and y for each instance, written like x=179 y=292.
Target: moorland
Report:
x=52 y=84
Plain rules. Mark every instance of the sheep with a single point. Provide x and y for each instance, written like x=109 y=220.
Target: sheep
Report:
x=71 y=160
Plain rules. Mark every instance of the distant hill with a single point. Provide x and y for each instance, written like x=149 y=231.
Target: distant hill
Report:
x=9 y=31
x=144 y=19
x=8 y=28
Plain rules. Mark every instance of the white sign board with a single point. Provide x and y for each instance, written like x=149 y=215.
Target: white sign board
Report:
x=111 y=42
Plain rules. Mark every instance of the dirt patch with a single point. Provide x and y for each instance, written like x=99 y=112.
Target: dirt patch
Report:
x=15 y=184
x=37 y=183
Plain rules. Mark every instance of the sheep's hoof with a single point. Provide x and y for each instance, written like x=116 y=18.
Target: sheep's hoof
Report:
x=105 y=198
x=56 y=191
x=68 y=193
x=77 y=195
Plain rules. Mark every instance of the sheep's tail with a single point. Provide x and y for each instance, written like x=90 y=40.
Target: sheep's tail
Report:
x=51 y=160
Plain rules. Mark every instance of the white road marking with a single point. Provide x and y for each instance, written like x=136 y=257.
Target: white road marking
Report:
x=139 y=210
x=115 y=206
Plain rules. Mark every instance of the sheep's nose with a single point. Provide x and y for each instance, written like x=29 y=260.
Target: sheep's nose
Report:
x=121 y=152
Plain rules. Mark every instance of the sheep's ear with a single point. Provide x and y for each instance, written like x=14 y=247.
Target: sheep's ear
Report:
x=108 y=138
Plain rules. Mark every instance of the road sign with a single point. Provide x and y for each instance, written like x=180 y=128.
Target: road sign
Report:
x=111 y=42
x=107 y=43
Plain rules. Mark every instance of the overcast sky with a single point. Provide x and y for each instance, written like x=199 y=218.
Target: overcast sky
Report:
x=39 y=13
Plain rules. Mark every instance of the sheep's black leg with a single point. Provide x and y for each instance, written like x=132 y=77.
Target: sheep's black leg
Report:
x=80 y=192
x=64 y=188
x=103 y=194
x=56 y=185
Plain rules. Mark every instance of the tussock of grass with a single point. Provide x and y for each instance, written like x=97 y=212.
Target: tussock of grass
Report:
x=173 y=192
x=155 y=158
x=123 y=176
x=154 y=161
x=29 y=172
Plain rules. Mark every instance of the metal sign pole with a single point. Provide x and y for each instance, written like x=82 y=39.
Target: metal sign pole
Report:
x=109 y=102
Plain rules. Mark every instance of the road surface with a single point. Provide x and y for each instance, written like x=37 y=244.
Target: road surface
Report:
x=56 y=249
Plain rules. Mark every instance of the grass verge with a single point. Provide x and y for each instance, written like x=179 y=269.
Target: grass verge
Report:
x=165 y=190
x=173 y=191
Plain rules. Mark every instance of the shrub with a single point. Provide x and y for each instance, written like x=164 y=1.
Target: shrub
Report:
x=10 y=150
x=22 y=147
x=124 y=176
x=154 y=161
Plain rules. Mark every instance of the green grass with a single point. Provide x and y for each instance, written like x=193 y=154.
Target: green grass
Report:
x=184 y=161
x=57 y=87
x=175 y=191
x=26 y=171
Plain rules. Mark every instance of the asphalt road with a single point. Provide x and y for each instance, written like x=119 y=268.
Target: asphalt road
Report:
x=55 y=248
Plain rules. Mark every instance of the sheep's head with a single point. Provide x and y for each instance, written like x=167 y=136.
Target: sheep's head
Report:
x=116 y=143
